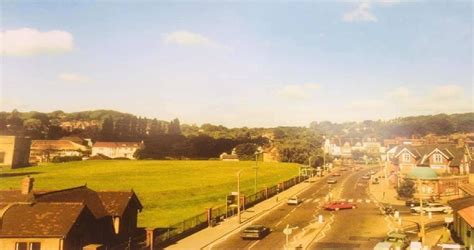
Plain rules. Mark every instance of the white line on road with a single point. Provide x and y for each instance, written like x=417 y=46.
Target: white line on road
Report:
x=253 y=244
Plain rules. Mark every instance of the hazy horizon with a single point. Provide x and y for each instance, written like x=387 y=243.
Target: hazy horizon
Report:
x=239 y=64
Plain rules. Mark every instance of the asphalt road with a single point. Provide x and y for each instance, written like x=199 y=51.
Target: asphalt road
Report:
x=362 y=227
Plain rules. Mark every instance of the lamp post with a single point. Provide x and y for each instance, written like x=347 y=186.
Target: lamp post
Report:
x=259 y=150
x=238 y=195
x=421 y=192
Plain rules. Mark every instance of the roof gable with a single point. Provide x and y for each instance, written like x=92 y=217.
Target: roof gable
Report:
x=40 y=219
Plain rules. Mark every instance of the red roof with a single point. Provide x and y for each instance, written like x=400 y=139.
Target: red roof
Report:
x=468 y=215
x=101 y=144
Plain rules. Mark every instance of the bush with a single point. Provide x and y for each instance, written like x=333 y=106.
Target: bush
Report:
x=58 y=159
x=406 y=189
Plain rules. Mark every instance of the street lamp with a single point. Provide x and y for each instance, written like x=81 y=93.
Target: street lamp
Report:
x=238 y=195
x=422 y=191
x=259 y=151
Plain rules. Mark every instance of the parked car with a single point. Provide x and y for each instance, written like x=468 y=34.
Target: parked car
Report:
x=331 y=181
x=366 y=177
x=337 y=205
x=398 y=240
x=255 y=232
x=416 y=202
x=336 y=174
x=294 y=200
x=375 y=181
x=432 y=207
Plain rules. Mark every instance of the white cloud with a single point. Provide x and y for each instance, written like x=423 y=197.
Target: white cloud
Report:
x=74 y=78
x=186 y=38
x=450 y=91
x=27 y=42
x=361 y=13
x=400 y=93
x=298 y=92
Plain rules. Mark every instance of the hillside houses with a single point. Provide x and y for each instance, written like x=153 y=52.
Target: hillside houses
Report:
x=66 y=219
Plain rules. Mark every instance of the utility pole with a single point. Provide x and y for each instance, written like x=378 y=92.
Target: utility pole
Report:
x=238 y=196
x=256 y=172
x=422 y=224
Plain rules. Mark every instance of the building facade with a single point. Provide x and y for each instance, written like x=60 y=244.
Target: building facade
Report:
x=116 y=149
x=14 y=151
x=46 y=150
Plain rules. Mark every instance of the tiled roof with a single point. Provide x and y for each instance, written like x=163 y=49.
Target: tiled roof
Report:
x=460 y=203
x=78 y=194
x=101 y=144
x=468 y=215
x=56 y=145
x=116 y=202
x=468 y=188
x=422 y=152
x=38 y=219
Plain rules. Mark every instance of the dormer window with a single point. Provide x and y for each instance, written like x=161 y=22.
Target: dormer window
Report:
x=437 y=158
x=406 y=157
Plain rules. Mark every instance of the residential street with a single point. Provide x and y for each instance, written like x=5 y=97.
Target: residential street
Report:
x=353 y=228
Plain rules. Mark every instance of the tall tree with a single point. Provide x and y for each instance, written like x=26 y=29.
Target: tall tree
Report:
x=174 y=127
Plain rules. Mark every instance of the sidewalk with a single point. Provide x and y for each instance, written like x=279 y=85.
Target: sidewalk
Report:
x=206 y=237
x=386 y=194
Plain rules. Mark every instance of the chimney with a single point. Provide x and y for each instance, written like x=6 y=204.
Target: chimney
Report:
x=27 y=185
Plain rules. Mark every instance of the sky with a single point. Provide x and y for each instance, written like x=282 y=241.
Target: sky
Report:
x=249 y=63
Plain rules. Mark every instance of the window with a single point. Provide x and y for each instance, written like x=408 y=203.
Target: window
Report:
x=406 y=157
x=2 y=157
x=35 y=246
x=437 y=158
x=21 y=246
x=28 y=246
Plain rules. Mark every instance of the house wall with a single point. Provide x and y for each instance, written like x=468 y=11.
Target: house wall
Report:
x=464 y=231
x=406 y=166
x=15 y=151
x=46 y=243
x=126 y=152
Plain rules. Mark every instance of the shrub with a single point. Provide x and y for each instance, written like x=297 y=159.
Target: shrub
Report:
x=58 y=159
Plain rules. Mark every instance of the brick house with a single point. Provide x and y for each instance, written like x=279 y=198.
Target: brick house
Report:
x=14 y=151
x=66 y=219
x=116 y=149
x=442 y=168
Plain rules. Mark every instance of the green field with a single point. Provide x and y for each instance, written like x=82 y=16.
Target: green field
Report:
x=169 y=190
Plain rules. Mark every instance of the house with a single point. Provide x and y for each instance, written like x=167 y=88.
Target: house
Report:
x=346 y=154
x=442 y=168
x=116 y=149
x=46 y=150
x=228 y=157
x=463 y=219
x=66 y=219
x=14 y=151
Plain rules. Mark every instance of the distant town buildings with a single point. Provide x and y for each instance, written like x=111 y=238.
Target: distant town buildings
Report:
x=116 y=149
x=14 y=151
x=66 y=219
x=46 y=150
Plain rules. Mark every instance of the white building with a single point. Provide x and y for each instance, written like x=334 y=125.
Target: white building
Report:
x=116 y=149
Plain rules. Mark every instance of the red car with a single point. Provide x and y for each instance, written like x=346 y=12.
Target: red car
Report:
x=336 y=174
x=337 y=205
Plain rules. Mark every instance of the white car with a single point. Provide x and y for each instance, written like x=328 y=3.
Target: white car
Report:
x=293 y=201
x=433 y=207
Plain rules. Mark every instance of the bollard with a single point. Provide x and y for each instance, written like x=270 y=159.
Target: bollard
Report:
x=320 y=218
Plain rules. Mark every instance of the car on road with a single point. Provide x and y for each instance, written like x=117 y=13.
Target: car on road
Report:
x=336 y=174
x=366 y=177
x=331 y=181
x=294 y=200
x=397 y=240
x=255 y=232
x=337 y=205
x=343 y=169
x=432 y=207
x=371 y=172
x=416 y=202
x=375 y=181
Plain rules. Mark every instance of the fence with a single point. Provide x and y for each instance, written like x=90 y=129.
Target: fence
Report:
x=196 y=223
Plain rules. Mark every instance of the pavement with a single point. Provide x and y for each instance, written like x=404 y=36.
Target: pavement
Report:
x=206 y=237
x=387 y=195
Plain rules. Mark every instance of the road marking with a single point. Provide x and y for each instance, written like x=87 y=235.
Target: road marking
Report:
x=367 y=201
x=359 y=200
x=350 y=200
x=253 y=244
x=276 y=225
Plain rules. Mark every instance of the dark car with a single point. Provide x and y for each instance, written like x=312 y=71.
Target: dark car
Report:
x=255 y=232
x=416 y=202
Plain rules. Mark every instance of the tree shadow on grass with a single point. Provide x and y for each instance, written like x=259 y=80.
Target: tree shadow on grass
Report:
x=2 y=175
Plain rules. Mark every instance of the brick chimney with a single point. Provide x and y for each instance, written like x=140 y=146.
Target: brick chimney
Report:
x=27 y=185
